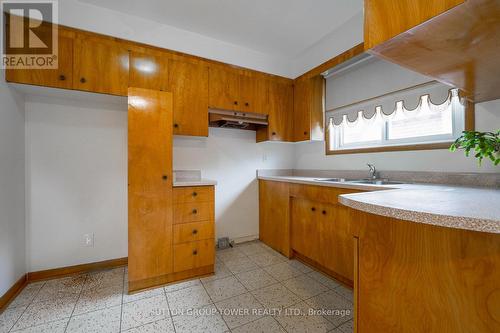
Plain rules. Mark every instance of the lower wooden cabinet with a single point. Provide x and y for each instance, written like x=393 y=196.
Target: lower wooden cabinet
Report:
x=194 y=255
x=191 y=232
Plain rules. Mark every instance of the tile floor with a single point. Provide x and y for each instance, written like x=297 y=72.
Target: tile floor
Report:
x=255 y=289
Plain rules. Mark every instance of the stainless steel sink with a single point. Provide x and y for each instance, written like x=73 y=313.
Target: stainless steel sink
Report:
x=375 y=181
x=333 y=180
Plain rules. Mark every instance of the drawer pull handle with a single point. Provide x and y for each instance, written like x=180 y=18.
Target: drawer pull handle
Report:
x=195 y=252
x=62 y=77
x=195 y=232
x=176 y=125
x=324 y=212
x=313 y=209
x=83 y=80
x=164 y=177
x=195 y=211
x=195 y=194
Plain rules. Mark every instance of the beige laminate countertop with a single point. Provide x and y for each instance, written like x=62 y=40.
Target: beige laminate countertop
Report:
x=198 y=182
x=469 y=208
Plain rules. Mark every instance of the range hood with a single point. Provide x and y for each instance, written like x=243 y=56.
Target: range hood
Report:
x=239 y=120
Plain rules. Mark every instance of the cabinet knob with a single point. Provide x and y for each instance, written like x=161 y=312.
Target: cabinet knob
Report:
x=313 y=209
x=195 y=194
x=274 y=133
x=235 y=102
x=195 y=231
x=83 y=80
x=62 y=77
x=305 y=132
x=195 y=211
x=195 y=252
x=324 y=212
x=164 y=177
x=247 y=104
x=176 y=125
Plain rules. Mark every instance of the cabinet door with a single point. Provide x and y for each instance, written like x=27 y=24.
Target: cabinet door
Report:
x=224 y=89
x=149 y=184
x=308 y=109
x=100 y=65
x=148 y=71
x=337 y=239
x=280 y=111
x=189 y=85
x=274 y=224
x=254 y=94
x=62 y=77
x=305 y=228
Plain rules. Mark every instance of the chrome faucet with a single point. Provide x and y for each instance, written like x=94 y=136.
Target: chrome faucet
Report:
x=373 y=171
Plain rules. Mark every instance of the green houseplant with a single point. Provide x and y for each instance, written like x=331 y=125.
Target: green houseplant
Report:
x=484 y=144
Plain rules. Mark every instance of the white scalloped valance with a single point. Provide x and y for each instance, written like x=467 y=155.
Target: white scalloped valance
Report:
x=434 y=95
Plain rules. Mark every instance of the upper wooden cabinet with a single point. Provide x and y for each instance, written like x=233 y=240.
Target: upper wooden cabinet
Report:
x=189 y=85
x=385 y=19
x=308 y=108
x=100 y=65
x=455 y=42
x=62 y=77
x=231 y=90
x=149 y=71
x=280 y=110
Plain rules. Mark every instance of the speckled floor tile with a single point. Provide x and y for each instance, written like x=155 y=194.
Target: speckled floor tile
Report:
x=112 y=277
x=256 y=279
x=337 y=309
x=345 y=292
x=239 y=310
x=266 y=259
x=163 y=326
x=26 y=296
x=9 y=317
x=224 y=288
x=276 y=296
x=61 y=288
x=58 y=326
x=251 y=248
x=323 y=279
x=230 y=254
x=107 y=320
x=221 y=272
x=240 y=265
x=347 y=327
x=304 y=321
x=144 y=311
x=201 y=320
x=182 y=285
x=282 y=271
x=300 y=266
x=188 y=298
x=262 y=325
x=99 y=298
x=304 y=286
x=45 y=311
x=141 y=295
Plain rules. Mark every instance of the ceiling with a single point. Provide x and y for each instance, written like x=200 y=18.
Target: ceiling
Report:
x=275 y=27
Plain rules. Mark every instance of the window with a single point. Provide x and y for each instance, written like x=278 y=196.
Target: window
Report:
x=425 y=123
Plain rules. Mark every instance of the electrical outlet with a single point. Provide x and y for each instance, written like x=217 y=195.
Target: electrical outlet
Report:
x=88 y=240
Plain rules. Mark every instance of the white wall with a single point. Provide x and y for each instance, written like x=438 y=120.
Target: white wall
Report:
x=311 y=155
x=77 y=176
x=12 y=159
x=231 y=157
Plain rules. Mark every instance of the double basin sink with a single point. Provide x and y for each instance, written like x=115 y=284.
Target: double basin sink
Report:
x=359 y=181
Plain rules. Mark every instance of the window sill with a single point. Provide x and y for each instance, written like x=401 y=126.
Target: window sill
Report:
x=422 y=146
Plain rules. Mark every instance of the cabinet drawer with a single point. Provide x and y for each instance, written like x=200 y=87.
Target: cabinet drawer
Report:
x=193 y=212
x=194 y=194
x=190 y=232
x=193 y=255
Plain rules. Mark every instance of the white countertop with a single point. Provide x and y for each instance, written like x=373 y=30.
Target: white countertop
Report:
x=458 y=207
x=197 y=182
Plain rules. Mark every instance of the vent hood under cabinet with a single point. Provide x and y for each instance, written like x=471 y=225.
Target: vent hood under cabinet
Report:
x=238 y=120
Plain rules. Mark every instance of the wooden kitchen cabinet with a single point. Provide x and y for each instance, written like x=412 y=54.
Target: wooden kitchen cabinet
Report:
x=254 y=94
x=305 y=228
x=274 y=213
x=100 y=65
x=280 y=110
x=62 y=77
x=308 y=108
x=148 y=70
x=384 y=19
x=189 y=85
x=224 y=89
x=150 y=255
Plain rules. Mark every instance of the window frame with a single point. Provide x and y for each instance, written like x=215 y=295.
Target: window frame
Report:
x=469 y=125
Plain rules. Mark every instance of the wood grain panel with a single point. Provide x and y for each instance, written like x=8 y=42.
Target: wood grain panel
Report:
x=447 y=280
x=224 y=89
x=308 y=108
x=253 y=94
x=274 y=209
x=194 y=194
x=324 y=194
x=385 y=19
x=149 y=71
x=189 y=84
x=192 y=212
x=305 y=230
x=280 y=110
x=100 y=65
x=191 y=232
x=150 y=183
x=194 y=255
